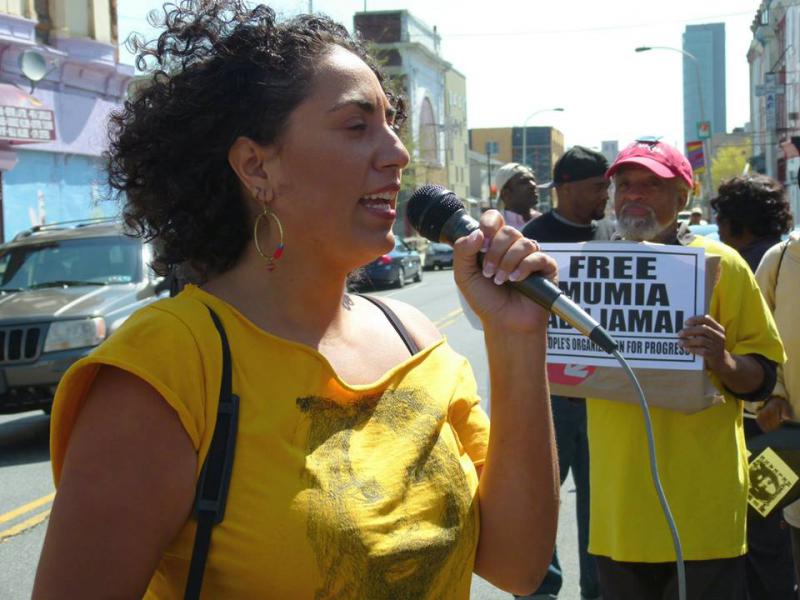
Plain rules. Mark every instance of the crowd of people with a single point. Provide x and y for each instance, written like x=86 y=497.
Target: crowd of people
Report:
x=628 y=549
x=360 y=463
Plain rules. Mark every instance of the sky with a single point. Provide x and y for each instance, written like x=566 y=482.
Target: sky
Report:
x=523 y=56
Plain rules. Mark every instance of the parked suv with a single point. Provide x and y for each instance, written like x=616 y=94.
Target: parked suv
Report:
x=64 y=288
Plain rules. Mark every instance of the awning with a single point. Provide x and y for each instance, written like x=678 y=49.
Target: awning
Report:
x=23 y=118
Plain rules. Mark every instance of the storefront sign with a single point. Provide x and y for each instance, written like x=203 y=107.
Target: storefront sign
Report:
x=27 y=124
x=23 y=118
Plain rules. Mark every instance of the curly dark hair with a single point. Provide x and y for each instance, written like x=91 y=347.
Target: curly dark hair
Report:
x=754 y=203
x=218 y=71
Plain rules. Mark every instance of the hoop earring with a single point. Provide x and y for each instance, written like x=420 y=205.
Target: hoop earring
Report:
x=268 y=214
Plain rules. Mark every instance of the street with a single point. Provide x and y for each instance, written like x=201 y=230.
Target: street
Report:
x=26 y=485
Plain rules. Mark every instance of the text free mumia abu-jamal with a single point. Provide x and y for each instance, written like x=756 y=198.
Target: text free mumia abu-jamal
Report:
x=633 y=284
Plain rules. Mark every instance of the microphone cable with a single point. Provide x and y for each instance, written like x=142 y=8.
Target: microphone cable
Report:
x=662 y=498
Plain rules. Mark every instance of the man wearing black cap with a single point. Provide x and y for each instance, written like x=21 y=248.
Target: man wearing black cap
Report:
x=582 y=189
x=579 y=179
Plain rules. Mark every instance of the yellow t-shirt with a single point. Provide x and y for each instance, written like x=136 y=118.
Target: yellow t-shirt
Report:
x=337 y=491
x=701 y=457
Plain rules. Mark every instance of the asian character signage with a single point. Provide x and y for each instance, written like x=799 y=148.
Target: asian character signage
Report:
x=21 y=124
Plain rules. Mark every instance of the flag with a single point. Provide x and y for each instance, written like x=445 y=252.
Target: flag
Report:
x=694 y=152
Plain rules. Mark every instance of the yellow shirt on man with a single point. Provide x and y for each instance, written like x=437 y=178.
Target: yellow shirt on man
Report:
x=701 y=456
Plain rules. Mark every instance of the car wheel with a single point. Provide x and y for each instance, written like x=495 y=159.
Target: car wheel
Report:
x=418 y=276
x=401 y=278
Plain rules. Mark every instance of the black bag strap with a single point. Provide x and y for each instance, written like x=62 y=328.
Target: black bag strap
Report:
x=412 y=346
x=212 y=487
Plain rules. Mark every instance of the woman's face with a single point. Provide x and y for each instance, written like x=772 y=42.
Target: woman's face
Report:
x=339 y=164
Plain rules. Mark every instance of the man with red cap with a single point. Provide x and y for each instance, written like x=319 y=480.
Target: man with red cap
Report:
x=702 y=459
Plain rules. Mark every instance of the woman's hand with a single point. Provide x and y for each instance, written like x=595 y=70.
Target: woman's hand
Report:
x=507 y=256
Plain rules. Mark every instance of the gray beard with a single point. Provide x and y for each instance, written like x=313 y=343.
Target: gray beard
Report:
x=639 y=229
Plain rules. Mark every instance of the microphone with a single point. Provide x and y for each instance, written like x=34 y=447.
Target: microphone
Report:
x=438 y=215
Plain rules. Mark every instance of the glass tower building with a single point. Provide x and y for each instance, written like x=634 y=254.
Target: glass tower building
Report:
x=707 y=43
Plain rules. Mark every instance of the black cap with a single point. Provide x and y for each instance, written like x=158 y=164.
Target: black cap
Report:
x=579 y=163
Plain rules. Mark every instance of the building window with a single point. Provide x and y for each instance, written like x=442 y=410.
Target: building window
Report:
x=428 y=138
x=44 y=24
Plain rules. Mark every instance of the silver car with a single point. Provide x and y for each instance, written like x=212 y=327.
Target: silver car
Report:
x=438 y=256
x=63 y=290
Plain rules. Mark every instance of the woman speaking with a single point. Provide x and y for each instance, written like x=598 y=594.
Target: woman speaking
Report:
x=265 y=156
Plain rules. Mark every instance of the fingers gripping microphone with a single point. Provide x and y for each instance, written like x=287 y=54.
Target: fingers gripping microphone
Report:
x=438 y=215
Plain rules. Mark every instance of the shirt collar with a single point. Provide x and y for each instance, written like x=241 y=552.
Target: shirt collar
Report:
x=683 y=236
x=566 y=221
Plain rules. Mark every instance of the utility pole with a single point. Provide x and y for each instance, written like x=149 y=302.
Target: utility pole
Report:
x=489 y=176
x=491 y=148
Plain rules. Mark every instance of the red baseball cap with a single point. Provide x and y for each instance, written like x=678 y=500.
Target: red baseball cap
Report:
x=658 y=157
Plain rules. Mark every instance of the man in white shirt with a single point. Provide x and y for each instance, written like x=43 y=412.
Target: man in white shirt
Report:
x=517 y=194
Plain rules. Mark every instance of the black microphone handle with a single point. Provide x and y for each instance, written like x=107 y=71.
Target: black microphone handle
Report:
x=539 y=289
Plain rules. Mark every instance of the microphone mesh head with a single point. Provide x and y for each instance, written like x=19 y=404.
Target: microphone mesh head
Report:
x=429 y=208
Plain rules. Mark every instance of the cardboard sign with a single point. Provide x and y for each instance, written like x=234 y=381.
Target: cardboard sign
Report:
x=640 y=293
x=671 y=378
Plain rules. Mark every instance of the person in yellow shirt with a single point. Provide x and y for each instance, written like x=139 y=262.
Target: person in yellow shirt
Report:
x=778 y=276
x=701 y=456
x=266 y=155
x=753 y=212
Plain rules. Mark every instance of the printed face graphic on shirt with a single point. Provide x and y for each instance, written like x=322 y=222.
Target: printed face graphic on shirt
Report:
x=390 y=514
x=764 y=484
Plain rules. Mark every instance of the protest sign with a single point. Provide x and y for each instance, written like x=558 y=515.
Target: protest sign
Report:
x=640 y=293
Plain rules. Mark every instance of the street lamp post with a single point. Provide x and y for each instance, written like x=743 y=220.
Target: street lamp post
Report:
x=696 y=64
x=525 y=131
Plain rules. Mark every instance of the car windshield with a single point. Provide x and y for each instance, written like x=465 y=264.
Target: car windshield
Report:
x=88 y=261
